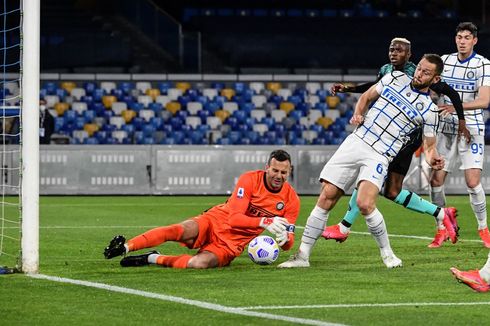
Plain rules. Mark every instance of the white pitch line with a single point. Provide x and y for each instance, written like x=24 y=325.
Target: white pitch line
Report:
x=369 y=305
x=196 y=303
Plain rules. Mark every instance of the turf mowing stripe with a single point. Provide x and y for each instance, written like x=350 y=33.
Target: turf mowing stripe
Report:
x=200 y=304
x=368 y=305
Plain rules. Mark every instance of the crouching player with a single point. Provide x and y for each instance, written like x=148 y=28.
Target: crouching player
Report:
x=262 y=200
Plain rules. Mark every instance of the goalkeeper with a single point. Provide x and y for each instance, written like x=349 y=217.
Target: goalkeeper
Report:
x=399 y=54
x=262 y=200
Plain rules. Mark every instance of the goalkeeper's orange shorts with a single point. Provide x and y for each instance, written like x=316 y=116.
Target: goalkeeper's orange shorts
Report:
x=209 y=240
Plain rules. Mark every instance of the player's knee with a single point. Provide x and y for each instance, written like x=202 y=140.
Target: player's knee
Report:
x=203 y=260
x=472 y=183
x=366 y=206
x=391 y=194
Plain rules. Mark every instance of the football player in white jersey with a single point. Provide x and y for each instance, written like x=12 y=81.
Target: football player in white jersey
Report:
x=401 y=105
x=469 y=74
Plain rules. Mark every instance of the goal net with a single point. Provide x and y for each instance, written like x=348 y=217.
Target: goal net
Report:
x=19 y=136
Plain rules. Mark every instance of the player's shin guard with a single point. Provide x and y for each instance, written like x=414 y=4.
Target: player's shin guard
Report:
x=414 y=202
x=438 y=196
x=479 y=205
x=313 y=230
x=353 y=212
x=156 y=236
x=173 y=261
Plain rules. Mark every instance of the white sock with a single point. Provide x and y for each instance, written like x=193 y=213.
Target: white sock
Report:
x=485 y=270
x=376 y=225
x=152 y=259
x=315 y=224
x=344 y=229
x=127 y=248
x=438 y=196
x=479 y=205
x=440 y=219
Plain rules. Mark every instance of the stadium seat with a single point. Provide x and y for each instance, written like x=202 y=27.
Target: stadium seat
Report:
x=257 y=87
x=128 y=115
x=107 y=86
x=174 y=93
x=312 y=87
x=183 y=86
x=273 y=86
x=118 y=121
x=258 y=115
x=332 y=101
x=77 y=93
x=79 y=107
x=210 y=93
x=228 y=93
x=118 y=107
x=69 y=115
x=173 y=107
x=146 y=114
x=162 y=99
x=107 y=100
x=194 y=107
x=90 y=128
x=164 y=87
x=90 y=141
x=284 y=93
x=142 y=86
x=89 y=116
x=61 y=107
x=213 y=122
x=145 y=100
x=51 y=100
x=230 y=107
x=313 y=100
x=80 y=135
x=332 y=114
x=153 y=93
x=119 y=135
x=314 y=115
x=193 y=121
x=325 y=122
x=222 y=115
x=261 y=128
x=309 y=135
x=286 y=107
x=259 y=100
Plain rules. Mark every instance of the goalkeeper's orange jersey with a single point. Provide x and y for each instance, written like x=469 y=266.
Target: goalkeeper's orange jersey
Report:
x=238 y=219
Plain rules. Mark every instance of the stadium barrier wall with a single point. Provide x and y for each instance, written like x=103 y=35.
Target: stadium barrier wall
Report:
x=184 y=170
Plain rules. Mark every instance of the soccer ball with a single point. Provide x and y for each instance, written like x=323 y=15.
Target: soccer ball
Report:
x=263 y=250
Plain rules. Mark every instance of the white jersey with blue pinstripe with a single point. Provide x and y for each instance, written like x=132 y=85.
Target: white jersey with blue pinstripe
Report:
x=398 y=111
x=465 y=77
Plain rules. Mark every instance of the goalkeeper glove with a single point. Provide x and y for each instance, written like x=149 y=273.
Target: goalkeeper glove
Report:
x=275 y=225
x=282 y=238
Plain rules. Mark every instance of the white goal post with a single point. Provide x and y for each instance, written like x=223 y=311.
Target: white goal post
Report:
x=30 y=136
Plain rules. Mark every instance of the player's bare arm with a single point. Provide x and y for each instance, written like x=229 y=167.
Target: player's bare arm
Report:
x=431 y=155
x=362 y=105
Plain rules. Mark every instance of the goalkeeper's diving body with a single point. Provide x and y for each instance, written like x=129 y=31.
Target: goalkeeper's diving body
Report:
x=399 y=54
x=261 y=200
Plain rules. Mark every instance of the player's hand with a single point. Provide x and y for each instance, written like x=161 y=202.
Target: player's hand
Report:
x=445 y=110
x=282 y=238
x=357 y=119
x=275 y=225
x=337 y=88
x=463 y=132
x=437 y=163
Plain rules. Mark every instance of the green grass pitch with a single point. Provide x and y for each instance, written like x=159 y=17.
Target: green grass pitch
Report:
x=346 y=284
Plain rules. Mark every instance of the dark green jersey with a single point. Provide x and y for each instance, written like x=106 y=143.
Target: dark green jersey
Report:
x=408 y=69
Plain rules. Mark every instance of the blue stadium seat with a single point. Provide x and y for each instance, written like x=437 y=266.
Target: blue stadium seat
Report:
x=168 y=129
x=50 y=88
x=176 y=123
x=79 y=123
x=108 y=114
x=126 y=87
x=70 y=116
x=90 y=141
x=203 y=114
x=98 y=108
x=164 y=86
x=89 y=87
x=155 y=107
x=148 y=130
x=218 y=85
x=224 y=141
x=148 y=141
x=156 y=122
x=138 y=123
x=101 y=136
x=129 y=128
x=58 y=124
x=118 y=93
x=136 y=106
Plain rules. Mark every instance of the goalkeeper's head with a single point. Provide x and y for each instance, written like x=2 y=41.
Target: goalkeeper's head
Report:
x=278 y=169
